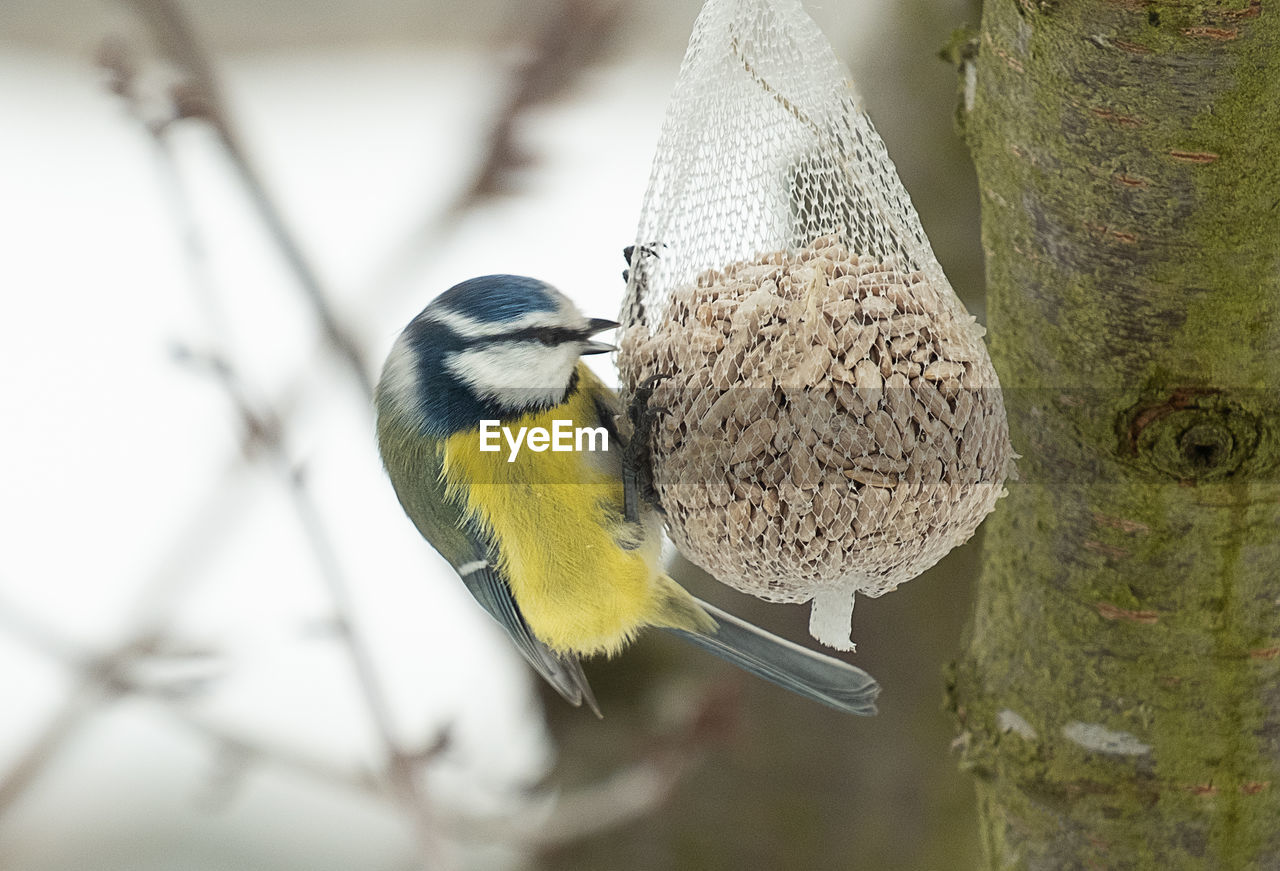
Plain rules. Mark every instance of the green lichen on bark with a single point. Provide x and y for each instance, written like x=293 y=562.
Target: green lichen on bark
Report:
x=1128 y=156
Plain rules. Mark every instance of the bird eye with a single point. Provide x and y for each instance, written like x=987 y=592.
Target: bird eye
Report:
x=547 y=339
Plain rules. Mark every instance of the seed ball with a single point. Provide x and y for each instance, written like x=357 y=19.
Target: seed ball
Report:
x=834 y=425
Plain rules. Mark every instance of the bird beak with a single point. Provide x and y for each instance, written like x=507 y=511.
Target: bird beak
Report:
x=598 y=325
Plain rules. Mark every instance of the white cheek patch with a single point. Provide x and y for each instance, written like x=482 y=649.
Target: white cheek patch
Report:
x=516 y=375
x=399 y=381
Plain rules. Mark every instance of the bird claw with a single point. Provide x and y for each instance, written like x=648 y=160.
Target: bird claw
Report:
x=637 y=458
x=650 y=249
x=637 y=461
x=649 y=383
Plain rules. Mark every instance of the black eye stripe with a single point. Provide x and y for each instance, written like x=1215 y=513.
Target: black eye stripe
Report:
x=546 y=335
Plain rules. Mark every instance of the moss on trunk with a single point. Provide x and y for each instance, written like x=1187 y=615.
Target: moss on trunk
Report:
x=1119 y=695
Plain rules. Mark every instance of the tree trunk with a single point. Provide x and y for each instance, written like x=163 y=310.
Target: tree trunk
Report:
x=1118 y=697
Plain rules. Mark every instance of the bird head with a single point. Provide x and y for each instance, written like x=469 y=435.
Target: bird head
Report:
x=493 y=347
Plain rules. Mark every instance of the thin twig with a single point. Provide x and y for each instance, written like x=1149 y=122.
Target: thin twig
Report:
x=212 y=522
x=626 y=795
x=91 y=690
x=200 y=96
x=106 y=677
x=401 y=765
x=214 y=519
x=568 y=42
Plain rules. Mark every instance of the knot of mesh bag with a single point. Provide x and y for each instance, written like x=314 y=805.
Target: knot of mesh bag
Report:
x=834 y=423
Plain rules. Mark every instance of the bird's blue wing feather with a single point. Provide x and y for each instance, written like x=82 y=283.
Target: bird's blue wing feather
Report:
x=414 y=466
x=486 y=583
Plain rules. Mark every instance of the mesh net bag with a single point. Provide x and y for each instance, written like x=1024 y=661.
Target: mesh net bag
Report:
x=833 y=423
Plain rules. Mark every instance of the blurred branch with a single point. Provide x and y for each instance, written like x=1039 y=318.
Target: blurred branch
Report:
x=265 y=431
x=210 y=523
x=92 y=689
x=570 y=39
x=78 y=705
x=624 y=796
x=568 y=44
x=199 y=96
x=639 y=790
x=402 y=765
x=104 y=678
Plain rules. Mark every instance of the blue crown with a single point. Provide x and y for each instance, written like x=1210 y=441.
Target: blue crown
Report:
x=497 y=298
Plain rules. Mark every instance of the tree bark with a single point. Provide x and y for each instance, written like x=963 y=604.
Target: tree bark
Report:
x=1118 y=698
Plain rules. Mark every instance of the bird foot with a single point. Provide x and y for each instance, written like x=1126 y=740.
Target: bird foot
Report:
x=637 y=458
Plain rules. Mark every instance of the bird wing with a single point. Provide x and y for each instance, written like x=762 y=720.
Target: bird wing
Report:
x=469 y=549
x=562 y=670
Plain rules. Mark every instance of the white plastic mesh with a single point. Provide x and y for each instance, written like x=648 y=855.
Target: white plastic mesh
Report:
x=834 y=423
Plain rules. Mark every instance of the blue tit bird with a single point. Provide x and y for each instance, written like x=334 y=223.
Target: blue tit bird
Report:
x=539 y=536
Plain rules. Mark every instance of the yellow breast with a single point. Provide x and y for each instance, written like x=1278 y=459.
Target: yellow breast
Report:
x=555 y=516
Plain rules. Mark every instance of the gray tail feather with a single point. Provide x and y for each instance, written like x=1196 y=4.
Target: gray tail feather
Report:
x=813 y=675
x=578 y=690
